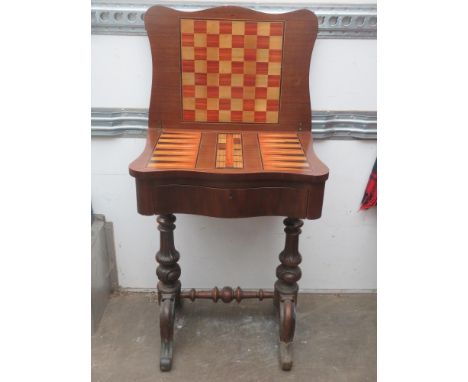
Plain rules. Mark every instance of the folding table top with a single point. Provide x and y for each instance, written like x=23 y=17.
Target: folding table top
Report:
x=230 y=116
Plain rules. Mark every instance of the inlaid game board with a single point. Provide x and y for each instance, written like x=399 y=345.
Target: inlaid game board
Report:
x=178 y=149
x=231 y=70
x=229 y=151
x=282 y=151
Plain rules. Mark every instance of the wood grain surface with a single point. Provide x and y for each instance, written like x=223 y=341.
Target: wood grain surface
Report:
x=164 y=30
x=226 y=165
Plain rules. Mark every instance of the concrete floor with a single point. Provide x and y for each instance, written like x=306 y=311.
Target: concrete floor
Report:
x=335 y=341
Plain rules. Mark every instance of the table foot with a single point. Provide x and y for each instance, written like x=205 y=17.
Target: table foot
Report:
x=287 y=317
x=166 y=325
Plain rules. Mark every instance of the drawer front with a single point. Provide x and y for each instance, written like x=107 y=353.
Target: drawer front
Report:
x=229 y=203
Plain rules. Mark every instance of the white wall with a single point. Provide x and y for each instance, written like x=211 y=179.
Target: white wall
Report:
x=339 y=250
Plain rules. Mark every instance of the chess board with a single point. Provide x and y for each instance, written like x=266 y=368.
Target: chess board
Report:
x=231 y=70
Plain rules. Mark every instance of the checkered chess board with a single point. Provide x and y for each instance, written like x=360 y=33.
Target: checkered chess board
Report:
x=231 y=70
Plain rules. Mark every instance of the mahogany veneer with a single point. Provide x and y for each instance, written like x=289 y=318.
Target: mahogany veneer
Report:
x=230 y=136
x=278 y=174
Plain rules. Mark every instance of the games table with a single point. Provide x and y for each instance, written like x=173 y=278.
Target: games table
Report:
x=229 y=137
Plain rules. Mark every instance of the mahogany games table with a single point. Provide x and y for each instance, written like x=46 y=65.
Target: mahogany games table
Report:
x=230 y=137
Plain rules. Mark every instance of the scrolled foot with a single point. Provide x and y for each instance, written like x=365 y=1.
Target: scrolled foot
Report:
x=285 y=354
x=287 y=316
x=165 y=359
x=166 y=325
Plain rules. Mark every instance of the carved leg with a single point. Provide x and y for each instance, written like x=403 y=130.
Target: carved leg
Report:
x=286 y=288
x=168 y=273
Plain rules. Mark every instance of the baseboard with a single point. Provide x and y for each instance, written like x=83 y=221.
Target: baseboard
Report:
x=305 y=291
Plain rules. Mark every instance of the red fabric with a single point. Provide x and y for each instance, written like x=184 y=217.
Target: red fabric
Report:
x=370 y=194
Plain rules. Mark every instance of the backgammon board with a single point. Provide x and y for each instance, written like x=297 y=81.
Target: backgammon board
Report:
x=264 y=151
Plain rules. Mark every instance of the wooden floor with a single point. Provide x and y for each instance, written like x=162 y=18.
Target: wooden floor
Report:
x=335 y=341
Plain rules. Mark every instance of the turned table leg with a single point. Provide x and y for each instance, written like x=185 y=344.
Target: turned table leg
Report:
x=168 y=273
x=288 y=273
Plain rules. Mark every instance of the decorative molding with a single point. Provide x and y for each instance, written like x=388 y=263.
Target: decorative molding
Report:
x=339 y=21
x=344 y=124
x=325 y=124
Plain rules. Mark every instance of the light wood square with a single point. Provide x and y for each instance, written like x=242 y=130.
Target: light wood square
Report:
x=199 y=40
x=250 y=42
x=237 y=54
x=225 y=41
x=250 y=67
x=248 y=116
x=274 y=68
x=188 y=78
x=188 y=53
x=237 y=80
x=238 y=28
x=212 y=104
x=237 y=104
x=224 y=92
x=212 y=54
x=189 y=103
x=200 y=66
x=261 y=80
x=186 y=26
x=273 y=93
x=272 y=117
x=200 y=115
x=225 y=67
x=212 y=79
x=249 y=92
x=212 y=26
x=200 y=91
x=260 y=105
x=276 y=42
x=263 y=55
x=224 y=115
x=263 y=29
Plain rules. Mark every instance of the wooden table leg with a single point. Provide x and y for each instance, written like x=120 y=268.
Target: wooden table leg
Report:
x=168 y=273
x=286 y=288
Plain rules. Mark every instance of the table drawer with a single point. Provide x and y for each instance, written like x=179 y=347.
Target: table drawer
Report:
x=229 y=203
